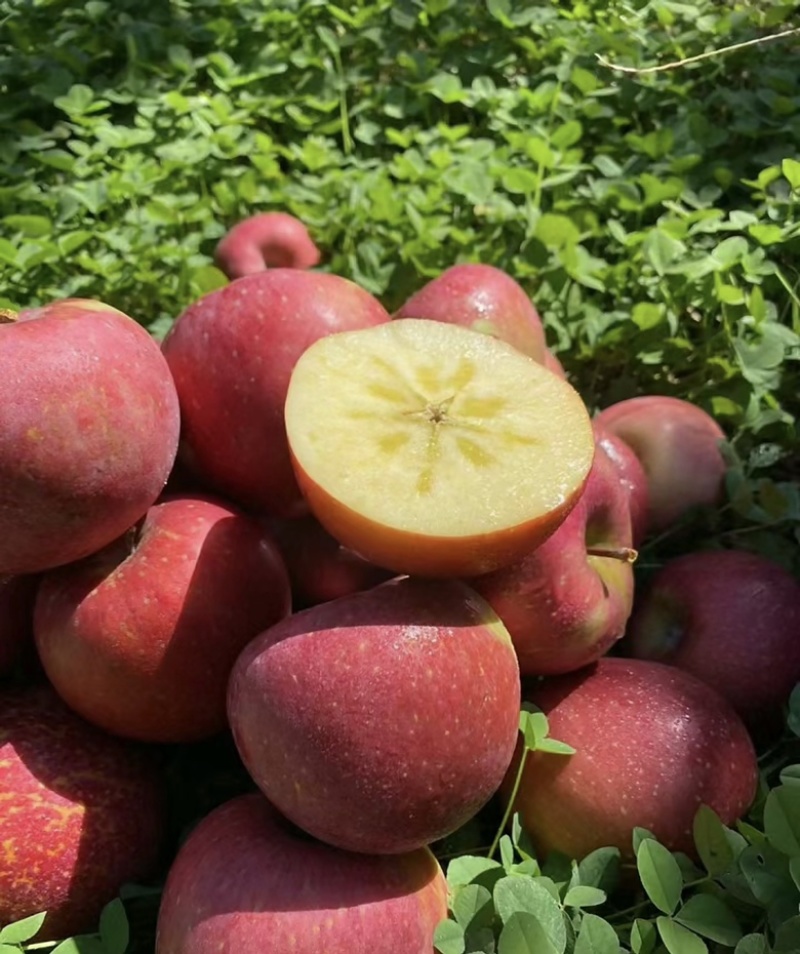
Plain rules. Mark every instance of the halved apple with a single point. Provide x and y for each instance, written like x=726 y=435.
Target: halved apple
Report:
x=435 y=450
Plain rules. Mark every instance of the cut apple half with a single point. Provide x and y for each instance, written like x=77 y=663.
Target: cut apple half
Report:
x=434 y=450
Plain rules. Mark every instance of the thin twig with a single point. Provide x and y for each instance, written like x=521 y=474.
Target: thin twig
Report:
x=694 y=59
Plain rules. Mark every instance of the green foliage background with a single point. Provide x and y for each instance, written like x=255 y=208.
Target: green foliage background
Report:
x=653 y=218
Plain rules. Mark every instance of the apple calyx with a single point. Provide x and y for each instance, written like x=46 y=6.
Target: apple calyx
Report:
x=624 y=554
x=7 y=316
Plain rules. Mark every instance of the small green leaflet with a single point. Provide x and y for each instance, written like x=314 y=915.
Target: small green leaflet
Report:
x=678 y=939
x=596 y=937
x=660 y=875
x=23 y=930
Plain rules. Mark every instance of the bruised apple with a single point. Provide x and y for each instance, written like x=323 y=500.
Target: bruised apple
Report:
x=381 y=721
x=140 y=638
x=82 y=814
x=266 y=240
x=483 y=298
x=231 y=354
x=249 y=881
x=434 y=450
x=88 y=431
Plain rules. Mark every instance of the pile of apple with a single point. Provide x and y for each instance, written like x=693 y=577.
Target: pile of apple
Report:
x=358 y=542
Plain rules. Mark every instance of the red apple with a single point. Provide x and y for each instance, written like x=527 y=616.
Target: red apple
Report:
x=17 y=595
x=83 y=813
x=485 y=299
x=552 y=363
x=320 y=568
x=232 y=353
x=247 y=880
x=267 y=240
x=632 y=476
x=567 y=602
x=88 y=431
x=652 y=744
x=140 y=638
x=381 y=721
x=730 y=618
x=678 y=445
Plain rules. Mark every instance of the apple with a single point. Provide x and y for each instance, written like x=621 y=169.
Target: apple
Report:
x=485 y=299
x=678 y=444
x=83 y=813
x=652 y=744
x=17 y=595
x=247 y=880
x=632 y=476
x=320 y=568
x=441 y=451
x=140 y=638
x=381 y=721
x=266 y=240
x=553 y=363
x=566 y=602
x=729 y=617
x=89 y=426
x=231 y=354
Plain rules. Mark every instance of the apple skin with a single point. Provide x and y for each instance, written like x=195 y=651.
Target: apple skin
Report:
x=83 y=813
x=563 y=607
x=89 y=424
x=266 y=240
x=652 y=743
x=320 y=568
x=231 y=354
x=729 y=617
x=632 y=476
x=247 y=880
x=381 y=721
x=140 y=638
x=484 y=298
x=677 y=443
x=552 y=362
x=17 y=596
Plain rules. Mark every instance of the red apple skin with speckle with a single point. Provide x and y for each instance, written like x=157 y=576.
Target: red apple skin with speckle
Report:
x=247 y=880
x=485 y=299
x=83 y=813
x=140 y=638
x=652 y=744
x=17 y=597
x=632 y=476
x=381 y=721
x=729 y=617
x=89 y=424
x=266 y=240
x=231 y=354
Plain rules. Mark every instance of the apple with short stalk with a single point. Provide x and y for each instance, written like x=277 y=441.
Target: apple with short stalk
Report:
x=248 y=880
x=140 y=638
x=729 y=617
x=231 y=354
x=89 y=426
x=441 y=451
x=83 y=814
x=678 y=444
x=266 y=240
x=567 y=602
x=483 y=298
x=652 y=743
x=381 y=721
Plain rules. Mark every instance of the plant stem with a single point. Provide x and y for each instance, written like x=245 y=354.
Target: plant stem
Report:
x=509 y=806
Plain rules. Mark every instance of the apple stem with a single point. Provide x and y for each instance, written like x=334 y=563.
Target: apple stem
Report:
x=625 y=554
x=7 y=316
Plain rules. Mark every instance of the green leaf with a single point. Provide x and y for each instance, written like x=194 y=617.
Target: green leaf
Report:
x=787 y=937
x=514 y=895
x=660 y=875
x=83 y=944
x=23 y=930
x=752 y=944
x=600 y=869
x=9 y=949
x=711 y=841
x=472 y=906
x=524 y=934
x=662 y=250
x=766 y=871
x=584 y=896
x=473 y=869
x=519 y=180
x=448 y=938
x=782 y=818
x=678 y=939
x=30 y=226
x=711 y=917
x=766 y=234
x=555 y=747
x=644 y=936
x=114 y=931
x=791 y=172
x=556 y=231
x=596 y=936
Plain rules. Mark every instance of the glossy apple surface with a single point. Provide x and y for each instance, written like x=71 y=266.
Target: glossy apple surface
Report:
x=652 y=744
x=140 y=638
x=381 y=721
x=266 y=240
x=632 y=475
x=247 y=880
x=483 y=298
x=232 y=353
x=88 y=431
